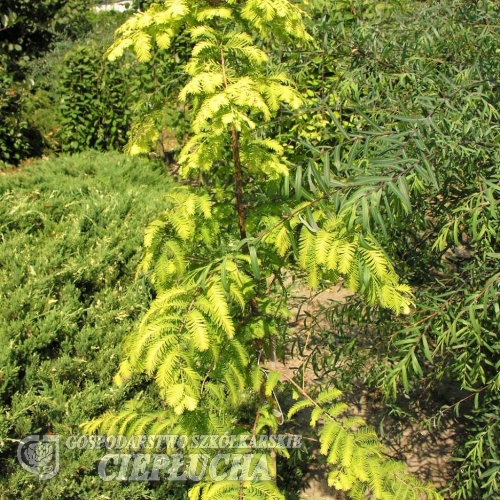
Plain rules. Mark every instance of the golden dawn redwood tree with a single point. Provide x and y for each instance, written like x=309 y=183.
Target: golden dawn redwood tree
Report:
x=216 y=258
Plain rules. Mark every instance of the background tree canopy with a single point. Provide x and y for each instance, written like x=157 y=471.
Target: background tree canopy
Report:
x=29 y=28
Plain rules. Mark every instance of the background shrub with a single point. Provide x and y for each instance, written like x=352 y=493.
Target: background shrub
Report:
x=96 y=99
x=18 y=138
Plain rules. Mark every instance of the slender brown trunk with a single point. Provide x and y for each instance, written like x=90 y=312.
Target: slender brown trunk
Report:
x=238 y=184
x=238 y=191
x=238 y=172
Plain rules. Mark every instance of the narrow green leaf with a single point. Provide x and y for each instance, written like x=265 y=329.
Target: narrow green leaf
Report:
x=223 y=274
x=254 y=261
x=326 y=169
x=298 y=183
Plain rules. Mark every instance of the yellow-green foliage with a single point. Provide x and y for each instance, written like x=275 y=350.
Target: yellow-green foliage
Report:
x=229 y=490
x=189 y=330
x=359 y=462
x=327 y=249
x=229 y=85
x=190 y=342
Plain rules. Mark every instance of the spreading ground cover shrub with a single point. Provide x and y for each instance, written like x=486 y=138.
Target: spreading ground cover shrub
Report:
x=70 y=233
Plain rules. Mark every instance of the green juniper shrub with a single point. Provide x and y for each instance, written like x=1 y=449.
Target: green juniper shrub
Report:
x=70 y=233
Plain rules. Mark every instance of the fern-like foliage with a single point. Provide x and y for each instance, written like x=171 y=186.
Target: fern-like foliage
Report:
x=359 y=462
x=229 y=490
x=326 y=248
x=189 y=332
x=229 y=84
